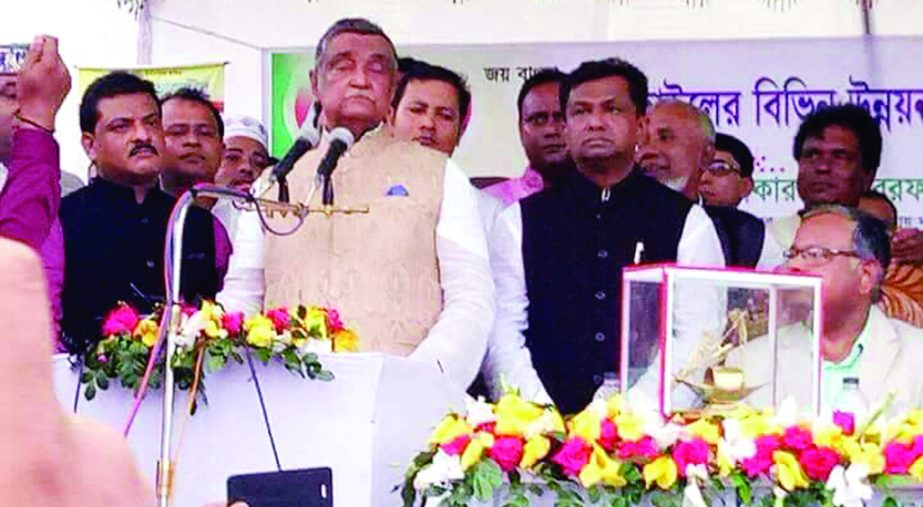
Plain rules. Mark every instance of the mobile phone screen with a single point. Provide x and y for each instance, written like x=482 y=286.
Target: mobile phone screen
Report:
x=294 y=488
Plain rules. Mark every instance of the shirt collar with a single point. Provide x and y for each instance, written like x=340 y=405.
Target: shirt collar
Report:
x=851 y=359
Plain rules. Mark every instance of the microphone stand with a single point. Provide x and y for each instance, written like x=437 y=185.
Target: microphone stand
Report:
x=173 y=255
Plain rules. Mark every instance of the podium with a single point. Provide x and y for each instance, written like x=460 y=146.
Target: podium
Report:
x=366 y=424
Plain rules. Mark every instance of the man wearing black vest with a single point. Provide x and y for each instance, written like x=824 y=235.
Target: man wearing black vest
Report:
x=576 y=237
x=677 y=146
x=114 y=228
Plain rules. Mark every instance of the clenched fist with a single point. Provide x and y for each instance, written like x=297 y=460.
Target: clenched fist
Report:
x=43 y=82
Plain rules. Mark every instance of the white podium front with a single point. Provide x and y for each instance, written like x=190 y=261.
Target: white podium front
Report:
x=366 y=424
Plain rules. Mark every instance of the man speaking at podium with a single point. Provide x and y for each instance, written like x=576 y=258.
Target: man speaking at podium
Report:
x=412 y=274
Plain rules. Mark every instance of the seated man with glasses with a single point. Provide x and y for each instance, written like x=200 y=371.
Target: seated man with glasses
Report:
x=728 y=179
x=850 y=250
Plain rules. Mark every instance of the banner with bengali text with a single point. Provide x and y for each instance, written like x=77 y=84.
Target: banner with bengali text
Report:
x=758 y=91
x=209 y=78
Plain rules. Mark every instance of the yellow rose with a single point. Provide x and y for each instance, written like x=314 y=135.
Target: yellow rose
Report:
x=515 y=414
x=866 y=453
x=757 y=425
x=214 y=330
x=147 y=331
x=586 y=426
x=450 y=428
x=535 y=449
x=316 y=323
x=614 y=406
x=662 y=471
x=260 y=331
x=630 y=426
x=601 y=468
x=788 y=471
x=916 y=470
x=829 y=435
x=346 y=340
x=475 y=450
x=705 y=430
x=726 y=462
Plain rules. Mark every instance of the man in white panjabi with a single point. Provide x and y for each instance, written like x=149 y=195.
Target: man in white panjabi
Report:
x=850 y=250
x=412 y=274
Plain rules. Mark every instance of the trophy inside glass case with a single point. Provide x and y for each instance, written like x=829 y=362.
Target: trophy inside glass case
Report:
x=709 y=340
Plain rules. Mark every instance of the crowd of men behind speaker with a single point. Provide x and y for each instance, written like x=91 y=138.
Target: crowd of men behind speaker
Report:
x=611 y=181
x=526 y=272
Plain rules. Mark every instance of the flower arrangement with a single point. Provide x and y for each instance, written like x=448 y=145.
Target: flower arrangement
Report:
x=612 y=455
x=208 y=339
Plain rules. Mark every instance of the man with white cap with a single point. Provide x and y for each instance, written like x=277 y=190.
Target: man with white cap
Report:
x=246 y=152
x=245 y=157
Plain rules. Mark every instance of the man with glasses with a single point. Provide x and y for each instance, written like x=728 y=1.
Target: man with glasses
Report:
x=728 y=179
x=850 y=250
x=541 y=131
x=677 y=146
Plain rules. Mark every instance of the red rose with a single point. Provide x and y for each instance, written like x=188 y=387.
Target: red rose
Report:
x=233 y=322
x=693 y=452
x=507 y=452
x=898 y=458
x=818 y=462
x=608 y=435
x=645 y=449
x=845 y=420
x=120 y=321
x=457 y=447
x=573 y=456
x=797 y=438
x=279 y=318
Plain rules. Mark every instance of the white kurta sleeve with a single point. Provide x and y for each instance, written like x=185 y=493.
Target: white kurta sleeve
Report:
x=457 y=342
x=244 y=285
x=697 y=308
x=508 y=360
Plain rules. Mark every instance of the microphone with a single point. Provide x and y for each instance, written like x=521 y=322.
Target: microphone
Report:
x=340 y=141
x=307 y=139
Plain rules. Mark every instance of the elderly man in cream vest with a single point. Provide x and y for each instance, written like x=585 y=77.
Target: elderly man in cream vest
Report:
x=850 y=251
x=412 y=275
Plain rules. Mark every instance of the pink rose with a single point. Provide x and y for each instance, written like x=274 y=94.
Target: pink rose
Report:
x=608 y=435
x=457 y=447
x=644 y=449
x=573 y=456
x=818 y=462
x=898 y=458
x=334 y=323
x=487 y=427
x=762 y=460
x=797 y=438
x=918 y=446
x=102 y=358
x=756 y=466
x=189 y=310
x=845 y=420
x=233 y=322
x=507 y=452
x=120 y=321
x=693 y=452
x=280 y=318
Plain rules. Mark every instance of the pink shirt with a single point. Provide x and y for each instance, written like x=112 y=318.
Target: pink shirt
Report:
x=515 y=189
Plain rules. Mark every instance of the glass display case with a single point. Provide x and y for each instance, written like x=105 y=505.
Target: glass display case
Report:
x=710 y=339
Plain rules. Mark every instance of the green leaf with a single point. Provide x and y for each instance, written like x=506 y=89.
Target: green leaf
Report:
x=486 y=476
x=103 y=382
x=325 y=375
x=889 y=501
x=90 y=392
x=742 y=486
x=86 y=376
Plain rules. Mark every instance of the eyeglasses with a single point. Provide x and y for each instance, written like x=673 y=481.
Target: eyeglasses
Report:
x=817 y=254
x=720 y=167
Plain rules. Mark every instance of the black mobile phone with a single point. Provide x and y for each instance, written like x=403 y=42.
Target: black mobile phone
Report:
x=312 y=487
